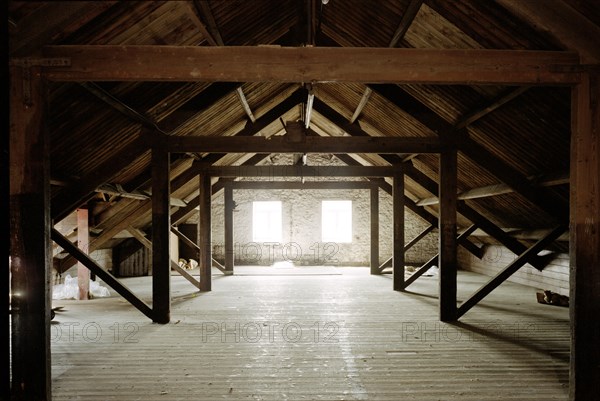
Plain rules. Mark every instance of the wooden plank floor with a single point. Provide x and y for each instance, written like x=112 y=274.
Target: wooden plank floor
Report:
x=325 y=336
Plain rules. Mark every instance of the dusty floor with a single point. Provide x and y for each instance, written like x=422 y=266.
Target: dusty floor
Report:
x=311 y=334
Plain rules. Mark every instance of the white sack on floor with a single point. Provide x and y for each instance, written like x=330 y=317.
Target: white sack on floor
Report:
x=70 y=289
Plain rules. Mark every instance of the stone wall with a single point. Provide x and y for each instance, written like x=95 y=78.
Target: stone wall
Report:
x=301 y=226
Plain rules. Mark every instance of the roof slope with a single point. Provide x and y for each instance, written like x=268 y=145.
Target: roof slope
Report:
x=96 y=127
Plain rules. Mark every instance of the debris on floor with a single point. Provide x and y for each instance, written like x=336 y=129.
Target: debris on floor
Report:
x=70 y=289
x=552 y=298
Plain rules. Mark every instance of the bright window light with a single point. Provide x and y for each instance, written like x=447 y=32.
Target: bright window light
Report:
x=336 y=221
x=266 y=221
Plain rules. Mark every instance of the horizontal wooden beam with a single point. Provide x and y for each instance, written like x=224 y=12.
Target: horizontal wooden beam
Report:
x=303 y=185
x=311 y=64
x=268 y=172
x=284 y=144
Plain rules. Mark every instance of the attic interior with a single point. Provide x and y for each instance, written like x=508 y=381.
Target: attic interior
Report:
x=463 y=137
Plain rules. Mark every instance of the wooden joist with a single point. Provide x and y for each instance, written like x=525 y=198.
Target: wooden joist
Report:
x=269 y=172
x=311 y=64
x=324 y=185
x=283 y=144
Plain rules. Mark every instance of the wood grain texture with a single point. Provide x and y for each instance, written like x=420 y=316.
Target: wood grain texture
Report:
x=310 y=64
x=389 y=345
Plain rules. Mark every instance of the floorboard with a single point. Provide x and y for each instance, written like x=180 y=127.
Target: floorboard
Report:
x=321 y=336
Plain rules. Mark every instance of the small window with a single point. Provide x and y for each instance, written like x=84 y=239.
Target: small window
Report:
x=266 y=221
x=336 y=221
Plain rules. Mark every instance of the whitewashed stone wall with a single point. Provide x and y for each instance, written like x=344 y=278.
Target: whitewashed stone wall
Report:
x=301 y=220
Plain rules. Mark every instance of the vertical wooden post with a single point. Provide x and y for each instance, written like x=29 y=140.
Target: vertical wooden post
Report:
x=228 y=229
x=83 y=241
x=447 y=242
x=398 y=236
x=161 y=235
x=30 y=226
x=204 y=233
x=585 y=239
x=375 y=229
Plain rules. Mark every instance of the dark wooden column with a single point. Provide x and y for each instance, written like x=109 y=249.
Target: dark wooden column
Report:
x=585 y=240
x=29 y=233
x=447 y=245
x=83 y=242
x=204 y=233
x=228 y=229
x=375 y=230
x=398 y=235
x=161 y=232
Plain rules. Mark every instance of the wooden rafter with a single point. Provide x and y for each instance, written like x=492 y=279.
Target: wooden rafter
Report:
x=385 y=186
x=76 y=194
x=143 y=208
x=557 y=18
x=500 y=100
x=213 y=36
x=361 y=104
x=407 y=18
x=500 y=189
x=541 y=198
x=355 y=130
x=311 y=64
x=183 y=213
x=481 y=221
x=120 y=106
